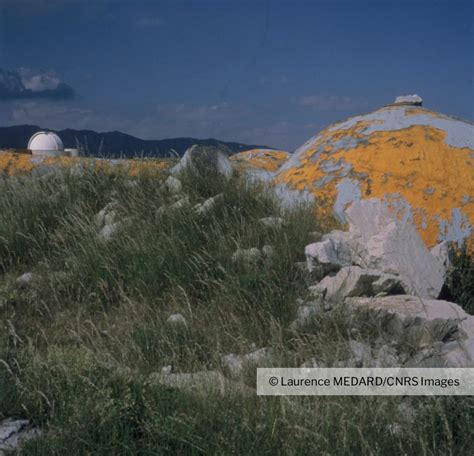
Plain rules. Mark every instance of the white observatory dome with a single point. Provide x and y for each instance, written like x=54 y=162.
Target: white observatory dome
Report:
x=46 y=143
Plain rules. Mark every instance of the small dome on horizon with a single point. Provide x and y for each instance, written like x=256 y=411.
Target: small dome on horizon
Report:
x=46 y=143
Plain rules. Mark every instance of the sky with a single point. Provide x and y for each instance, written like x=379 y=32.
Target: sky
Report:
x=259 y=72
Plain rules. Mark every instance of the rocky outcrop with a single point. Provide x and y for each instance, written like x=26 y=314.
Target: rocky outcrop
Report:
x=353 y=281
x=405 y=317
x=394 y=247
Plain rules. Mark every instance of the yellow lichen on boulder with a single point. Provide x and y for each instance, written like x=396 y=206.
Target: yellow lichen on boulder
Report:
x=261 y=159
x=418 y=162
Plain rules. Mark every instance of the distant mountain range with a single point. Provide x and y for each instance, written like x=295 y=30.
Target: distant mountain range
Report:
x=113 y=143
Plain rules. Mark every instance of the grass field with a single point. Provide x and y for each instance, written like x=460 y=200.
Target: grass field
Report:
x=79 y=345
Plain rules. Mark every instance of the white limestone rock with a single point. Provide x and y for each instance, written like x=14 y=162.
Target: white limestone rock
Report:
x=107 y=215
x=393 y=247
x=202 y=383
x=327 y=256
x=355 y=281
x=459 y=353
x=234 y=363
x=258 y=358
x=268 y=252
x=205 y=207
x=25 y=280
x=173 y=185
x=13 y=432
x=349 y=281
x=248 y=256
x=406 y=317
x=177 y=319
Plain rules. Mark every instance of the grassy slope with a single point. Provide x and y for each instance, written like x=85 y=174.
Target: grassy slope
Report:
x=77 y=347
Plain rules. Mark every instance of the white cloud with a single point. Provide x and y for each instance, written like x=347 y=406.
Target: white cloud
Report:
x=38 y=81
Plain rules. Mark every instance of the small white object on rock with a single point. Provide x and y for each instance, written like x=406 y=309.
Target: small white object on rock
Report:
x=414 y=100
x=177 y=319
x=25 y=279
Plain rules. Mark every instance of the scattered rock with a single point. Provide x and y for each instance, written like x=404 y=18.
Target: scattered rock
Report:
x=349 y=281
x=206 y=160
x=304 y=314
x=459 y=353
x=166 y=370
x=13 y=432
x=107 y=215
x=268 y=251
x=393 y=247
x=177 y=319
x=248 y=256
x=202 y=382
x=25 y=280
x=173 y=185
x=258 y=358
x=208 y=205
x=405 y=317
x=389 y=284
x=327 y=256
x=110 y=230
x=272 y=222
x=180 y=204
x=361 y=354
x=234 y=363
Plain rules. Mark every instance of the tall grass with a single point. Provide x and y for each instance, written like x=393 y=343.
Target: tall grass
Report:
x=78 y=345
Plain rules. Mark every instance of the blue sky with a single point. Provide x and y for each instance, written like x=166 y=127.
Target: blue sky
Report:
x=261 y=72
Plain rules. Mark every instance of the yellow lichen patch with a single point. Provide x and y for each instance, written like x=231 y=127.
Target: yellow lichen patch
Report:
x=16 y=164
x=413 y=169
x=262 y=159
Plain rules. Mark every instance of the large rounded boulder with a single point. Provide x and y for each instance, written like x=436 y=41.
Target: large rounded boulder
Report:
x=418 y=162
x=206 y=160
